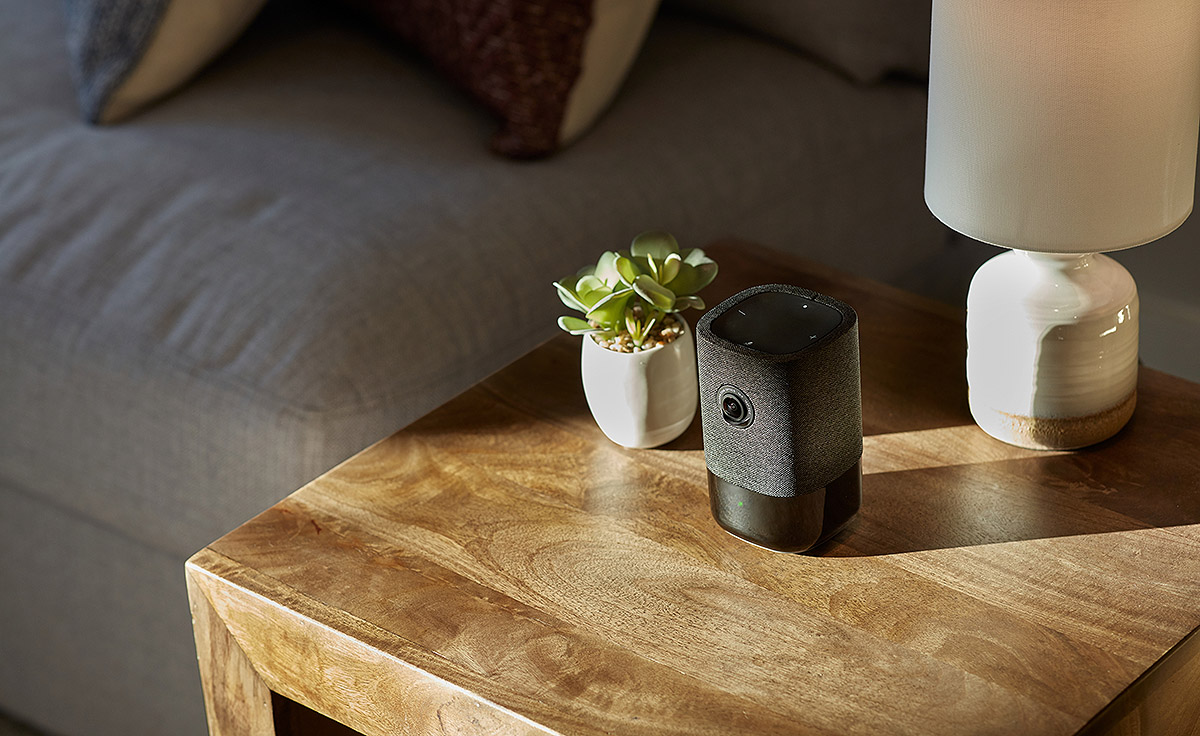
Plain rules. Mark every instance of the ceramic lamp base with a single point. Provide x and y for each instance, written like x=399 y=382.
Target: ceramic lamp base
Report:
x=1052 y=345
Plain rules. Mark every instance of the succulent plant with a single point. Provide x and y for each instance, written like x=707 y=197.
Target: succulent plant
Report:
x=631 y=291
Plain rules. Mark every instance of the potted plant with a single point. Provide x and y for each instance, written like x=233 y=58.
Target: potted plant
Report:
x=639 y=359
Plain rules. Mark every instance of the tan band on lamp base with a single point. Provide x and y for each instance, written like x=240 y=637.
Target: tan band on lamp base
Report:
x=1054 y=433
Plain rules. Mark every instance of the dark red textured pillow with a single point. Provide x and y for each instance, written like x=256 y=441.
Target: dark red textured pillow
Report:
x=546 y=68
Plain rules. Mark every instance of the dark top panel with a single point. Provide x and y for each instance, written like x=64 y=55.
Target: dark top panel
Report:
x=776 y=322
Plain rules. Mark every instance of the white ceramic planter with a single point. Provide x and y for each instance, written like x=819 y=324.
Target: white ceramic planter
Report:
x=1052 y=344
x=642 y=399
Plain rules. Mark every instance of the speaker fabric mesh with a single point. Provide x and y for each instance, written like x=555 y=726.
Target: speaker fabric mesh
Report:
x=807 y=427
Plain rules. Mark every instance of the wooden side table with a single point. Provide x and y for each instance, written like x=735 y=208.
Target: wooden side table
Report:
x=499 y=567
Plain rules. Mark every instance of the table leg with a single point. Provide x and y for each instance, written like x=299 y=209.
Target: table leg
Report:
x=236 y=699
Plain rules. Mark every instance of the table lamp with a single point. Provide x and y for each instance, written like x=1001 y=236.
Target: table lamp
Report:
x=1060 y=129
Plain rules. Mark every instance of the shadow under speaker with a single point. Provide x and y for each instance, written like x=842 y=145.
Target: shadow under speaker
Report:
x=781 y=404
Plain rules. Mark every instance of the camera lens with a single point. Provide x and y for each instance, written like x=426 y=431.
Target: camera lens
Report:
x=736 y=408
x=733 y=409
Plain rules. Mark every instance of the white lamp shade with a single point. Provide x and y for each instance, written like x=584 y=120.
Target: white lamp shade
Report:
x=1063 y=126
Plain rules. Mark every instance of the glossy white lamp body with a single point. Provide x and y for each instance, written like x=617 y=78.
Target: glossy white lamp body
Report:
x=1052 y=345
x=1060 y=127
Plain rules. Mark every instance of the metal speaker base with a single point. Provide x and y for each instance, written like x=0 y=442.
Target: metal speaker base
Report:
x=795 y=524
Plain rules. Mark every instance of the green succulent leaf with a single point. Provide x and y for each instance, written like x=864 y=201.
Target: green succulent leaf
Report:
x=606 y=268
x=609 y=311
x=691 y=279
x=655 y=244
x=590 y=298
x=633 y=326
x=589 y=282
x=686 y=281
x=649 y=325
x=590 y=289
x=653 y=268
x=669 y=269
x=628 y=270
x=569 y=297
x=708 y=272
x=576 y=326
x=632 y=290
x=659 y=296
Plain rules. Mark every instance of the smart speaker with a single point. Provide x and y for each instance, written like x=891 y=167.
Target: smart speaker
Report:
x=781 y=405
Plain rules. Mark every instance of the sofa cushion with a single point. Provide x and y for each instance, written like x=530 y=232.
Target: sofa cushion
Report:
x=127 y=53
x=866 y=39
x=545 y=68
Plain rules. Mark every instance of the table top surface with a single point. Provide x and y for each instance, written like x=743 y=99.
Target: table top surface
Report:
x=502 y=547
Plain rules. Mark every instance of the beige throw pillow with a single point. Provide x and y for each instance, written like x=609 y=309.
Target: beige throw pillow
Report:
x=128 y=53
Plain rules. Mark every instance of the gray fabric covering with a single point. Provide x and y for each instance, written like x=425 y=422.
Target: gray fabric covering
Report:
x=866 y=39
x=94 y=628
x=306 y=249
x=106 y=40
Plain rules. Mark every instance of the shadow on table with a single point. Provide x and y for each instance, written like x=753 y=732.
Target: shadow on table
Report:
x=1148 y=476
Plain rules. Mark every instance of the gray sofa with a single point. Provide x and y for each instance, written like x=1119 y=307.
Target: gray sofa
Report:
x=309 y=246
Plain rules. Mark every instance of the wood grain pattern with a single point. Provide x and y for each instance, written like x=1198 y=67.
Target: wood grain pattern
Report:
x=332 y=663
x=236 y=700
x=500 y=567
